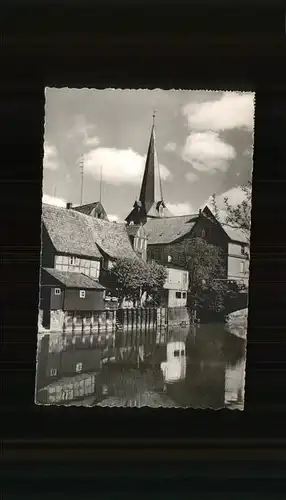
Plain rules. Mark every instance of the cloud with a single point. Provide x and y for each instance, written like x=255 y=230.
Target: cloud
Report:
x=248 y=152
x=92 y=141
x=207 y=152
x=114 y=218
x=191 y=177
x=51 y=200
x=119 y=166
x=171 y=146
x=235 y=196
x=51 y=160
x=82 y=133
x=232 y=110
x=180 y=208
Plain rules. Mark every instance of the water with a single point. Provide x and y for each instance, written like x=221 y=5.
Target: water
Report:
x=201 y=367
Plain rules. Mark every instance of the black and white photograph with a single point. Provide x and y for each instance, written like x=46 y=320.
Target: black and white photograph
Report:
x=145 y=248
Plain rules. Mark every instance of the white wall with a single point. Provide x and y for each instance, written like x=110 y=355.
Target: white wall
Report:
x=75 y=264
x=177 y=279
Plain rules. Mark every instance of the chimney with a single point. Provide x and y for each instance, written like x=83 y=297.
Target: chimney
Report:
x=200 y=211
x=69 y=205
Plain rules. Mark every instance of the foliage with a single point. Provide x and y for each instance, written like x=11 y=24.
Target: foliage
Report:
x=239 y=216
x=209 y=288
x=133 y=277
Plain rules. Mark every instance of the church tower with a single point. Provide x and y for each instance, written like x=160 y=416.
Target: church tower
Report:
x=150 y=203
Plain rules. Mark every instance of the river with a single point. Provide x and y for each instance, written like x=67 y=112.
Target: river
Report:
x=202 y=366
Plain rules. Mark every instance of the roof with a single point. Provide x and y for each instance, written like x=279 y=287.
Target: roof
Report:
x=112 y=238
x=79 y=234
x=89 y=208
x=86 y=209
x=133 y=229
x=164 y=231
x=235 y=234
x=153 y=211
x=74 y=280
x=69 y=231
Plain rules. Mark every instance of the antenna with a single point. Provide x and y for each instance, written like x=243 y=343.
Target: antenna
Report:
x=100 y=184
x=81 y=168
x=55 y=192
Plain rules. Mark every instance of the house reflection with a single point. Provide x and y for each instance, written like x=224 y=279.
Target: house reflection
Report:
x=234 y=385
x=174 y=368
x=66 y=371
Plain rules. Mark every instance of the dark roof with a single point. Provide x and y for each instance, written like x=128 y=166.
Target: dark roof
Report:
x=235 y=234
x=164 y=231
x=74 y=280
x=86 y=209
x=90 y=208
x=69 y=231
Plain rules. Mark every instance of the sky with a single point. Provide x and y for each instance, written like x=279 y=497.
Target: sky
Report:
x=204 y=144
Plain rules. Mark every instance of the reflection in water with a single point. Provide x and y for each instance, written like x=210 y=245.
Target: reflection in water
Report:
x=174 y=368
x=200 y=367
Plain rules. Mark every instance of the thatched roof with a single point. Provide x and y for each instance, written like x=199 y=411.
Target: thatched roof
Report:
x=133 y=229
x=73 y=280
x=69 y=231
x=112 y=238
x=235 y=234
x=164 y=231
x=79 y=234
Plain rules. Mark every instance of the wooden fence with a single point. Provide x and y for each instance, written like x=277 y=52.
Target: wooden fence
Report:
x=114 y=320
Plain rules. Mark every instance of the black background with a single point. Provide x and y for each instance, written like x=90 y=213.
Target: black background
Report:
x=90 y=452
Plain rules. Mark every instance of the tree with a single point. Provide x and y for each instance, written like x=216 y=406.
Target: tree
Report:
x=208 y=287
x=239 y=216
x=133 y=277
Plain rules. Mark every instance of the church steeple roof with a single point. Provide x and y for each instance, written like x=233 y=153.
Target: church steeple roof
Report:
x=150 y=190
x=150 y=203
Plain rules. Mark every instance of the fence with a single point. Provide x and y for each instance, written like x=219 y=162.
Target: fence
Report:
x=93 y=322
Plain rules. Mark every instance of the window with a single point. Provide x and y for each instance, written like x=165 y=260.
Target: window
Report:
x=82 y=294
x=178 y=295
x=57 y=291
x=169 y=258
x=78 y=367
x=184 y=295
x=53 y=372
x=242 y=267
x=72 y=261
x=183 y=353
x=176 y=354
x=203 y=233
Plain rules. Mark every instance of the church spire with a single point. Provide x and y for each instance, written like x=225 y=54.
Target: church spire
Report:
x=147 y=193
x=150 y=203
